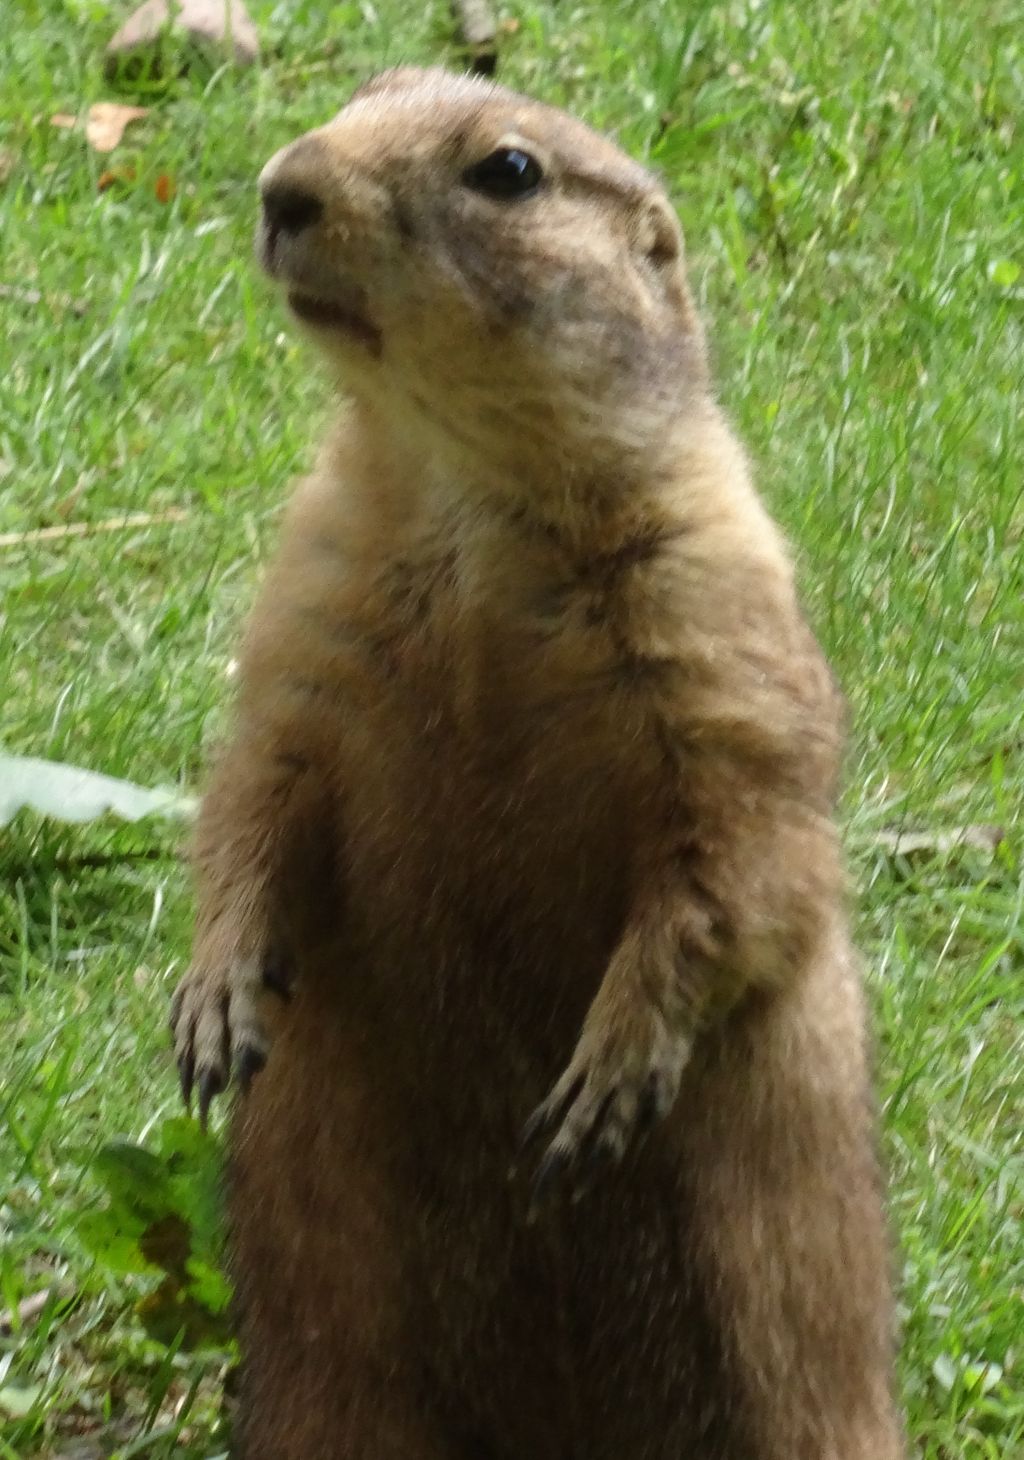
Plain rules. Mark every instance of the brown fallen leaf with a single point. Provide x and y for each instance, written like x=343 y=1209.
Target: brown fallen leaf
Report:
x=164 y=188
x=114 y=175
x=107 y=121
x=105 y=124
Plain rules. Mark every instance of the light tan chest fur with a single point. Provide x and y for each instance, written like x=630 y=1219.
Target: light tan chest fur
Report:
x=497 y=711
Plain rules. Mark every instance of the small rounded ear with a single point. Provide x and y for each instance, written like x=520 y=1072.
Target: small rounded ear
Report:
x=657 y=236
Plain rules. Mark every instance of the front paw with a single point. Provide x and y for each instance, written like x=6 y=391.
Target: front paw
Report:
x=217 y=1025
x=624 y=1075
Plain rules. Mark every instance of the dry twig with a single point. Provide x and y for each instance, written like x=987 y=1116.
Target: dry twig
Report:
x=88 y=529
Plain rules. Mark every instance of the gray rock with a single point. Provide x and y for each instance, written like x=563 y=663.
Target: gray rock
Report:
x=221 y=26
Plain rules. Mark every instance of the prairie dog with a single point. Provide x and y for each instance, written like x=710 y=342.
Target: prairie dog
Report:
x=526 y=819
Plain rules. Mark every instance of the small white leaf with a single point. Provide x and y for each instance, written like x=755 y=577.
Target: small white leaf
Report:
x=945 y=1372
x=70 y=793
x=983 y=1376
x=18 y=1400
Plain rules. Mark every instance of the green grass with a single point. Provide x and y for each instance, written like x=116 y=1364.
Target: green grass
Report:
x=850 y=178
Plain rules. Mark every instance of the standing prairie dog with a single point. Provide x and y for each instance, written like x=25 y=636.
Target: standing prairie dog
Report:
x=526 y=819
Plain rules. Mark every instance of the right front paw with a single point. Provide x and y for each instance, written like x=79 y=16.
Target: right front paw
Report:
x=217 y=1026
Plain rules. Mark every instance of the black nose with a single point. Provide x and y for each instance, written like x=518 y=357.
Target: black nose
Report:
x=289 y=209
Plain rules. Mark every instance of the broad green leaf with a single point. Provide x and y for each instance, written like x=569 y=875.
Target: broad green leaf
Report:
x=135 y=1179
x=165 y=1213
x=113 y=1242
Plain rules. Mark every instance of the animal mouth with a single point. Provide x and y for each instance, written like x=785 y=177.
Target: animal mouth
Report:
x=335 y=315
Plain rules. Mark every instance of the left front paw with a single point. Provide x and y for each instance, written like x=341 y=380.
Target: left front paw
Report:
x=624 y=1075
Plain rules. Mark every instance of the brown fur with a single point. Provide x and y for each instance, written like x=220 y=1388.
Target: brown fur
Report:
x=534 y=754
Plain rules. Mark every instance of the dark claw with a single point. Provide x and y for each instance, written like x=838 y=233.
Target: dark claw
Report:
x=211 y=1083
x=594 y=1150
x=543 y=1118
x=186 y=1075
x=275 y=977
x=549 y=1174
x=647 y=1112
x=537 y=1121
x=613 y=1144
x=249 y=1063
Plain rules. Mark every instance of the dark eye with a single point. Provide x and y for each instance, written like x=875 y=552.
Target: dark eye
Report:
x=506 y=173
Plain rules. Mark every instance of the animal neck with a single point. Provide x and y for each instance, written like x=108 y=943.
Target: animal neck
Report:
x=597 y=503
x=583 y=506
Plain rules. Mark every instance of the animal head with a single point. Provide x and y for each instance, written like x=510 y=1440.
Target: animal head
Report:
x=487 y=270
